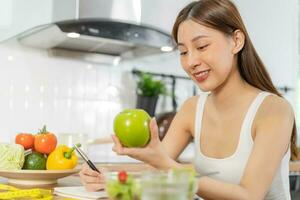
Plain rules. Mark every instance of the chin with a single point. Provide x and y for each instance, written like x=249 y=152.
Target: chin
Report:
x=210 y=85
x=205 y=87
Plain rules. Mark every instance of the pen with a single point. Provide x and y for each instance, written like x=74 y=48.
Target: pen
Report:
x=85 y=158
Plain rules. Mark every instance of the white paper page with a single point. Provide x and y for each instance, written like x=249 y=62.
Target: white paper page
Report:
x=79 y=192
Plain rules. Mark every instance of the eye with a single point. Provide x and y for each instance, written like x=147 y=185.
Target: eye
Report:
x=202 y=47
x=183 y=53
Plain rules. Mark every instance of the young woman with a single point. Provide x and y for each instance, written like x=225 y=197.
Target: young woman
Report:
x=241 y=127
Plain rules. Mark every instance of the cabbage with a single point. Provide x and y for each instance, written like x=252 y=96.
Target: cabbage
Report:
x=11 y=156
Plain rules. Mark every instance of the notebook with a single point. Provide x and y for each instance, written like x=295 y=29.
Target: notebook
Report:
x=79 y=192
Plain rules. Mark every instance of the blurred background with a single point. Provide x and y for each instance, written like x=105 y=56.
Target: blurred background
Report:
x=74 y=76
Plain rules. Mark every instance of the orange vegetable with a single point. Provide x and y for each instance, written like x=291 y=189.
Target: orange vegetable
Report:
x=45 y=142
x=25 y=139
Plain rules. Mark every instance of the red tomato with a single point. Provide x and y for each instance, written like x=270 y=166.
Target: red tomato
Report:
x=122 y=175
x=25 y=139
x=45 y=142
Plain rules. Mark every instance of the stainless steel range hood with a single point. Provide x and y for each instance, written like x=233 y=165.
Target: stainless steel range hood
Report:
x=102 y=36
x=110 y=36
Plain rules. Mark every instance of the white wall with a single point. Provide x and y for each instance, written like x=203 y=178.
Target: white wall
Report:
x=274 y=29
x=161 y=14
x=64 y=94
x=17 y=16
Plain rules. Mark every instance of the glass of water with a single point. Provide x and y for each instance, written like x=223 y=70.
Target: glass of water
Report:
x=164 y=185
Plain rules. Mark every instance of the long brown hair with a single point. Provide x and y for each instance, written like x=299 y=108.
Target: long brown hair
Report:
x=223 y=16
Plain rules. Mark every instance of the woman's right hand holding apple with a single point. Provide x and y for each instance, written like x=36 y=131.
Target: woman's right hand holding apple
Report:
x=153 y=153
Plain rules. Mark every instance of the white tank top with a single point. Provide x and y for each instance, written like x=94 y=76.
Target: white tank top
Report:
x=231 y=168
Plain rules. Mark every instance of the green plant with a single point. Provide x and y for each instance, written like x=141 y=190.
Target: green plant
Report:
x=148 y=86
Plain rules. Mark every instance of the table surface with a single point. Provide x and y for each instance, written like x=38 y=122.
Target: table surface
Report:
x=74 y=180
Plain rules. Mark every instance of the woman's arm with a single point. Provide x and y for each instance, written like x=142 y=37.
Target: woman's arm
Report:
x=181 y=129
x=273 y=128
x=159 y=154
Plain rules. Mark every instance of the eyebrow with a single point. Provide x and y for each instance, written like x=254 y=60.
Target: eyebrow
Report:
x=194 y=39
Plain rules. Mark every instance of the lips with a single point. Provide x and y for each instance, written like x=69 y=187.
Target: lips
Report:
x=202 y=75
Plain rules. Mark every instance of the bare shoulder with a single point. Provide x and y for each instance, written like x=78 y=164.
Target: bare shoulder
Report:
x=190 y=103
x=275 y=108
x=274 y=104
x=186 y=114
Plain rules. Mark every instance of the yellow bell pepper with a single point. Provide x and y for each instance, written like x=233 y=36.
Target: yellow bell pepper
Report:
x=62 y=158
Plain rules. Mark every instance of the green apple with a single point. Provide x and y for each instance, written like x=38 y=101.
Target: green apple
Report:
x=131 y=126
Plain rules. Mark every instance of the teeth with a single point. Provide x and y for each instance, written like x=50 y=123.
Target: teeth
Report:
x=201 y=74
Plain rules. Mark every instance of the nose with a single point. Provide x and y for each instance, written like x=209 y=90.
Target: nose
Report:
x=193 y=60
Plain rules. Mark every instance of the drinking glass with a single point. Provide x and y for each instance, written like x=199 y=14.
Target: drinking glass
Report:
x=165 y=185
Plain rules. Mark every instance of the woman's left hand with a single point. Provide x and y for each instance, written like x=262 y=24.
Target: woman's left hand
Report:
x=153 y=153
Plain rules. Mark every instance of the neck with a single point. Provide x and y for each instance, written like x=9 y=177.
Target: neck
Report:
x=232 y=92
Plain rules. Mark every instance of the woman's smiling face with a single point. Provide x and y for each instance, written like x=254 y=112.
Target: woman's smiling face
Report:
x=207 y=55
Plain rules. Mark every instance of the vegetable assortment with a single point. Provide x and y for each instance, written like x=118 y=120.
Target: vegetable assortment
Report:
x=37 y=152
